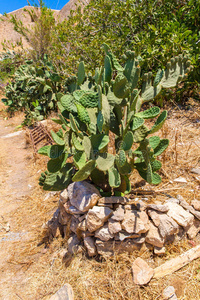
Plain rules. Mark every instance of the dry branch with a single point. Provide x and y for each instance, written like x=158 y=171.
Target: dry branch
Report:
x=177 y=263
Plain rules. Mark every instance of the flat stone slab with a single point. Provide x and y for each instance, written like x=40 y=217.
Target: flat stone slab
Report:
x=153 y=236
x=142 y=273
x=180 y=215
x=135 y=222
x=113 y=200
x=64 y=293
x=97 y=216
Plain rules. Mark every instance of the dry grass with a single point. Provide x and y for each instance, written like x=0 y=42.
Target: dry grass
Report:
x=36 y=271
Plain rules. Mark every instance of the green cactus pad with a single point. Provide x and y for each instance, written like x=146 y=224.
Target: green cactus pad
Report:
x=86 y=98
x=74 y=127
x=77 y=144
x=87 y=146
x=99 y=141
x=54 y=165
x=136 y=123
x=121 y=158
x=140 y=134
x=44 y=150
x=67 y=102
x=81 y=73
x=149 y=113
x=83 y=114
x=121 y=86
x=127 y=141
x=58 y=181
x=84 y=172
x=159 y=122
x=58 y=140
x=158 y=77
x=100 y=121
x=125 y=186
x=105 y=161
x=98 y=177
x=132 y=72
x=105 y=112
x=114 y=177
x=55 y=151
x=162 y=146
x=108 y=69
x=154 y=141
x=79 y=159
x=125 y=169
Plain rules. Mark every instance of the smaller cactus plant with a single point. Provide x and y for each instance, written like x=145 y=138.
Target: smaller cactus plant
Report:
x=110 y=101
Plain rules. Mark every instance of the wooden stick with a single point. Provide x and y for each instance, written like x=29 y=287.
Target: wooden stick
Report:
x=177 y=263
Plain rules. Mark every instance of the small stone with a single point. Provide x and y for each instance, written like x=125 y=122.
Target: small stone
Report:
x=159 y=250
x=103 y=233
x=155 y=216
x=193 y=230
x=178 y=214
x=135 y=222
x=180 y=179
x=97 y=216
x=142 y=273
x=173 y=200
x=82 y=225
x=64 y=196
x=73 y=210
x=81 y=218
x=188 y=207
x=118 y=214
x=83 y=195
x=141 y=205
x=196 y=204
x=64 y=217
x=89 y=243
x=105 y=248
x=167 y=226
x=74 y=224
x=74 y=245
x=113 y=200
x=158 y=207
x=85 y=234
x=153 y=236
x=114 y=226
x=196 y=171
x=64 y=293
x=169 y=293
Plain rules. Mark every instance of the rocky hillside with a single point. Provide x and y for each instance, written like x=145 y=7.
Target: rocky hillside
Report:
x=8 y=33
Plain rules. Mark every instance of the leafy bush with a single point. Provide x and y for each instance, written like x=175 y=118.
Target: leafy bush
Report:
x=109 y=102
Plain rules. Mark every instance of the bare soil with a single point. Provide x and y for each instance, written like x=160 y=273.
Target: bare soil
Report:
x=32 y=270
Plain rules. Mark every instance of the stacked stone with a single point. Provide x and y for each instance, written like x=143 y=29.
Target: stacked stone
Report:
x=112 y=224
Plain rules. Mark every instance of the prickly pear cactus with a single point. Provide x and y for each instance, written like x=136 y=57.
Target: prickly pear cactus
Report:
x=111 y=101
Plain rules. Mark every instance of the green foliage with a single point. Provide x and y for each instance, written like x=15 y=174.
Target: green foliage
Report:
x=88 y=146
x=33 y=89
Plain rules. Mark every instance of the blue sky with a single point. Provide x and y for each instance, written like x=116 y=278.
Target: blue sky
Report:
x=10 y=5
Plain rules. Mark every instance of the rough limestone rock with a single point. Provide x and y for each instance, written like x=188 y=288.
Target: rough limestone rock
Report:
x=105 y=248
x=64 y=196
x=113 y=200
x=74 y=224
x=97 y=216
x=110 y=247
x=135 y=222
x=167 y=226
x=193 y=230
x=83 y=195
x=74 y=245
x=82 y=225
x=142 y=273
x=158 y=207
x=196 y=204
x=89 y=243
x=103 y=233
x=190 y=208
x=155 y=216
x=118 y=214
x=114 y=226
x=169 y=293
x=180 y=215
x=159 y=251
x=64 y=217
x=153 y=236
x=64 y=293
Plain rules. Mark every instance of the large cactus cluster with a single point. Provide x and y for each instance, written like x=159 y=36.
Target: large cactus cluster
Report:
x=33 y=89
x=109 y=101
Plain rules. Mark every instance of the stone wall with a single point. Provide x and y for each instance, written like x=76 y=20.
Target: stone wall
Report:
x=104 y=225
